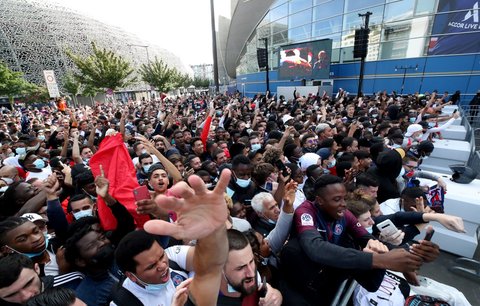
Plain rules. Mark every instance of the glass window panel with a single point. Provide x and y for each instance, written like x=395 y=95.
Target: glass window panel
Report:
x=279 y=12
x=404 y=48
x=265 y=19
x=425 y=7
x=353 y=5
x=346 y=54
x=280 y=38
x=352 y=21
x=336 y=39
x=328 y=26
x=399 y=10
x=328 y=9
x=299 y=5
x=279 y=25
x=335 y=55
x=278 y=2
x=299 y=19
x=417 y=27
x=300 y=33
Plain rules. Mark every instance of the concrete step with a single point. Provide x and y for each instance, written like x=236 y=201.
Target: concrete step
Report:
x=455 y=132
x=451 y=149
x=435 y=168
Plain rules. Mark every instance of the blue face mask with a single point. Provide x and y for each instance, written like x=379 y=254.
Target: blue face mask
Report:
x=256 y=147
x=41 y=137
x=83 y=213
x=369 y=229
x=412 y=119
x=243 y=183
x=230 y=289
x=431 y=124
x=271 y=221
x=20 y=151
x=332 y=163
x=151 y=287
x=146 y=168
x=39 y=164
x=33 y=255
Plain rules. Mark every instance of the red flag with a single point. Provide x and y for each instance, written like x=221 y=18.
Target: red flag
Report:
x=119 y=170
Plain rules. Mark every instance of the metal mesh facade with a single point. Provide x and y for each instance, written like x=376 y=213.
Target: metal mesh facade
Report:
x=35 y=34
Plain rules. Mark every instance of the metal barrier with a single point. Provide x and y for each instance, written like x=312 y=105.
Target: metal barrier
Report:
x=474 y=162
x=471 y=120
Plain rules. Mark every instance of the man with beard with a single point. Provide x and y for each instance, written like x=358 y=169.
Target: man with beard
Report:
x=240 y=284
x=90 y=251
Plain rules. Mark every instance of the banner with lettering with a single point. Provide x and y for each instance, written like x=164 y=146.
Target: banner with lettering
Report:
x=456 y=29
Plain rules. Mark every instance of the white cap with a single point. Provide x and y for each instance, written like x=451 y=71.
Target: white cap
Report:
x=307 y=160
x=413 y=128
x=285 y=118
x=34 y=217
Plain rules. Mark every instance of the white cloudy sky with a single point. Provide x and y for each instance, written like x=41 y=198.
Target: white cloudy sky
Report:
x=181 y=26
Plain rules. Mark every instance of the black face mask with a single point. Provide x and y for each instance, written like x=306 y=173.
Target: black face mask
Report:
x=104 y=256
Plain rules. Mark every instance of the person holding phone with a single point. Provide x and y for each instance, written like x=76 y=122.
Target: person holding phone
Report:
x=318 y=237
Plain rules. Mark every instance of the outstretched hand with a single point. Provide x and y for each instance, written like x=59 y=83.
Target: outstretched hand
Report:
x=102 y=184
x=199 y=211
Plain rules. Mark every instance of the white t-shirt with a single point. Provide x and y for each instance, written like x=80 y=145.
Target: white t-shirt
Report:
x=390 y=206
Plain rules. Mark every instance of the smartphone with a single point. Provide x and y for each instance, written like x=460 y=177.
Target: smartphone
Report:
x=455 y=111
x=281 y=166
x=141 y=193
x=429 y=235
x=387 y=227
x=269 y=186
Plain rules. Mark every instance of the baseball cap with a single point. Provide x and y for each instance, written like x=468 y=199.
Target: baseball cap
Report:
x=413 y=129
x=34 y=217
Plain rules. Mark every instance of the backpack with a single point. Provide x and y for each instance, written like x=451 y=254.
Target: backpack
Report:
x=423 y=300
x=123 y=297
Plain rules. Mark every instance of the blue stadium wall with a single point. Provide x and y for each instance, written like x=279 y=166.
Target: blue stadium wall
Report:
x=444 y=73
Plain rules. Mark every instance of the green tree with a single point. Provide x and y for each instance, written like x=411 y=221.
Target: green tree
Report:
x=72 y=86
x=12 y=84
x=201 y=82
x=159 y=75
x=183 y=80
x=37 y=94
x=103 y=69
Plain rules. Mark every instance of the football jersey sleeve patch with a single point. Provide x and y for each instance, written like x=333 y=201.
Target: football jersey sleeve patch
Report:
x=306 y=219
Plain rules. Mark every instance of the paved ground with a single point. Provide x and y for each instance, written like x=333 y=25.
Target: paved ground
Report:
x=438 y=271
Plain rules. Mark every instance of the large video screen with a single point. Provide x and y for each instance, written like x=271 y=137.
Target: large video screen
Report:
x=310 y=60
x=456 y=28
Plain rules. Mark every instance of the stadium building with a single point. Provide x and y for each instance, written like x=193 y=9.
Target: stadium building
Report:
x=35 y=34
x=416 y=45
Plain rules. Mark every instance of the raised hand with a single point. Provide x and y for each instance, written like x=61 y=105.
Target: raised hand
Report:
x=102 y=184
x=199 y=211
x=51 y=186
x=290 y=190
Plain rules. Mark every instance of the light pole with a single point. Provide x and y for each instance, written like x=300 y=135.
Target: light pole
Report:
x=405 y=69
x=366 y=19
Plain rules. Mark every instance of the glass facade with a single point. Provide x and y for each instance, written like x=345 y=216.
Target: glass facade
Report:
x=399 y=28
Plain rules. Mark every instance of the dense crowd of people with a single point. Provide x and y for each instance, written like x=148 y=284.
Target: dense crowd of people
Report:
x=218 y=200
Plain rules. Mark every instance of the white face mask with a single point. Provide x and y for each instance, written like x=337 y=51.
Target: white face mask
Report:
x=83 y=213
x=243 y=183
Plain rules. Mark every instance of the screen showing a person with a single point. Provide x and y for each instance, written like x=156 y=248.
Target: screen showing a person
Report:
x=309 y=60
